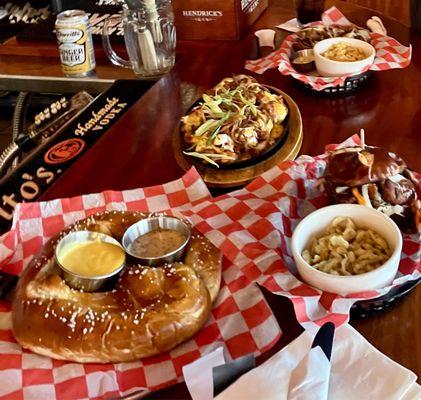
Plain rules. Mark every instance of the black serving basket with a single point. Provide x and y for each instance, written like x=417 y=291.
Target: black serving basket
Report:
x=366 y=308
x=351 y=85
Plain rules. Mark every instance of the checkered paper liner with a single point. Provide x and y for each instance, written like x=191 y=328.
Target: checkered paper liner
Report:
x=241 y=320
x=253 y=228
x=390 y=54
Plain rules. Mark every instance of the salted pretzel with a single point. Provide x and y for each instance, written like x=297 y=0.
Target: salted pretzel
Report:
x=149 y=311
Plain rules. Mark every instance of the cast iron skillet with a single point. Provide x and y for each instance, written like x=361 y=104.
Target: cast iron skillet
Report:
x=239 y=163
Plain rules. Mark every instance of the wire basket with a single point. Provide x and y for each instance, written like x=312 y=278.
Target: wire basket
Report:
x=350 y=86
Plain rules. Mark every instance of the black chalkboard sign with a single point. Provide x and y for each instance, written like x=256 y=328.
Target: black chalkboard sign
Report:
x=97 y=10
x=41 y=170
x=19 y=15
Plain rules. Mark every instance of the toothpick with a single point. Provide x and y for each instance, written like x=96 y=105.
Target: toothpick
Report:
x=362 y=137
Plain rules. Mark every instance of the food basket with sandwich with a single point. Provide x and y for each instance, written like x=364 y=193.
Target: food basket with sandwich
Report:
x=334 y=56
x=174 y=312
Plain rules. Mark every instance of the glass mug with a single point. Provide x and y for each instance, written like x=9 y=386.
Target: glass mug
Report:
x=149 y=35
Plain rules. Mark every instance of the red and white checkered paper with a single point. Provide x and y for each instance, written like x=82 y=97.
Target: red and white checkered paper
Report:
x=241 y=320
x=390 y=54
x=253 y=228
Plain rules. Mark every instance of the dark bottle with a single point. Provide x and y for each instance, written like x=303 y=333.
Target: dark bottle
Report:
x=415 y=12
x=309 y=10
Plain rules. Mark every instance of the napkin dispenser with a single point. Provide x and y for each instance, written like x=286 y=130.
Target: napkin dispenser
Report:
x=216 y=19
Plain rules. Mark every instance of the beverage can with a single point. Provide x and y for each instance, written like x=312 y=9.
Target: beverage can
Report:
x=75 y=43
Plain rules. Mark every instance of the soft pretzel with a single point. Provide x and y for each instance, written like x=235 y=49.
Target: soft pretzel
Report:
x=149 y=311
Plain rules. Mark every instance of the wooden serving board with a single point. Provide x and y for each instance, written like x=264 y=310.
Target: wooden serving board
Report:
x=236 y=177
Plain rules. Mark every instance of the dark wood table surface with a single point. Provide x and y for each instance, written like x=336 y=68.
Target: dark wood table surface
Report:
x=137 y=151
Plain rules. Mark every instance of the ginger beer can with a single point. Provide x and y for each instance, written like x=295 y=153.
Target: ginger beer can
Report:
x=75 y=43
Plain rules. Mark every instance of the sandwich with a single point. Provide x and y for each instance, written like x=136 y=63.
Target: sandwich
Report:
x=376 y=178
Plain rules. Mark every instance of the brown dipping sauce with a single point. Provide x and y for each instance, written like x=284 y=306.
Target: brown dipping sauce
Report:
x=157 y=243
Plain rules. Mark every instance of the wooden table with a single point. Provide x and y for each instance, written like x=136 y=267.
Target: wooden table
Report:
x=137 y=150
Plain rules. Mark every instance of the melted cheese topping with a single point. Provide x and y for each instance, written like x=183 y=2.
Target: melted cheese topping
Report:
x=92 y=258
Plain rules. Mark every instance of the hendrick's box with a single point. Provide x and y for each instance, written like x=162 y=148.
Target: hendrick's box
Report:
x=215 y=19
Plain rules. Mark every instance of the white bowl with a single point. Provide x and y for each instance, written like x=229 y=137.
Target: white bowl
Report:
x=318 y=221
x=327 y=67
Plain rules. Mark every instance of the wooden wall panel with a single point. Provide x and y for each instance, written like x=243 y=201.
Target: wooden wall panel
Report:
x=397 y=9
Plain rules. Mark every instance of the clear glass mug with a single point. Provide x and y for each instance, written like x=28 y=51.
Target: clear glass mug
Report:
x=149 y=35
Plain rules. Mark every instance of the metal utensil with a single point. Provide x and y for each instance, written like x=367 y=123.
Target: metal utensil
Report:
x=153 y=224
x=76 y=281
x=304 y=67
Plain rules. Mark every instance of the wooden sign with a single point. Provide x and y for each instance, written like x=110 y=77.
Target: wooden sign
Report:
x=215 y=19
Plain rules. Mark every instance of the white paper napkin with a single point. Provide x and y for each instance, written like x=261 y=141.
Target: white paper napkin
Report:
x=358 y=371
x=198 y=374
x=310 y=379
x=290 y=26
x=266 y=37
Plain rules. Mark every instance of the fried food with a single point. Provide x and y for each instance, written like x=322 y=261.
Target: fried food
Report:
x=308 y=37
x=237 y=120
x=376 y=178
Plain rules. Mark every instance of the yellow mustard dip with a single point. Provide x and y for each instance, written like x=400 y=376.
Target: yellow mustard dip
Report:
x=92 y=258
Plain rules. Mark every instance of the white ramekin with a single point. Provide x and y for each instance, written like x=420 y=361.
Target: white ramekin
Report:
x=318 y=221
x=326 y=67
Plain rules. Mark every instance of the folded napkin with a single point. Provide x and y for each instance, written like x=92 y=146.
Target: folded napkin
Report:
x=212 y=373
x=290 y=25
x=310 y=378
x=357 y=371
x=200 y=384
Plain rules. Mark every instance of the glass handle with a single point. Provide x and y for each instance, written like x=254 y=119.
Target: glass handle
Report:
x=111 y=54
